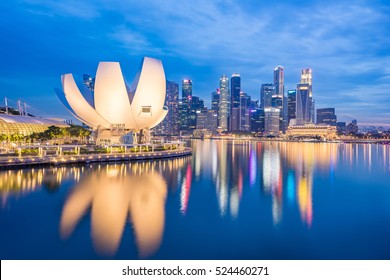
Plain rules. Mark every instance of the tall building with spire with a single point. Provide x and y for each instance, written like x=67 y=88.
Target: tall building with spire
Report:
x=279 y=80
x=278 y=98
x=305 y=101
x=224 y=105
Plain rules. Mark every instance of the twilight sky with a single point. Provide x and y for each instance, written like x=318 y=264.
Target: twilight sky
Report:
x=346 y=43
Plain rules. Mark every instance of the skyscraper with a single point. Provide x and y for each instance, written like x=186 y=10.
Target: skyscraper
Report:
x=271 y=121
x=224 y=103
x=326 y=116
x=215 y=101
x=186 y=89
x=197 y=105
x=279 y=80
x=257 y=120
x=278 y=98
x=305 y=102
x=291 y=105
x=234 y=114
x=185 y=104
x=235 y=90
x=245 y=103
x=171 y=124
x=207 y=119
x=266 y=93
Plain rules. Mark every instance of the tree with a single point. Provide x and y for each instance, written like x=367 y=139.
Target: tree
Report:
x=78 y=132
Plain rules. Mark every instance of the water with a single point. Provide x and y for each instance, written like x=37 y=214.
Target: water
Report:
x=230 y=200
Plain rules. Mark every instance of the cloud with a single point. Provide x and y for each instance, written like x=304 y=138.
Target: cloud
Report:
x=345 y=43
x=132 y=40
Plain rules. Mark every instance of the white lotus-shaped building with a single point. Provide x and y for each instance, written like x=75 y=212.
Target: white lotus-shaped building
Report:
x=113 y=103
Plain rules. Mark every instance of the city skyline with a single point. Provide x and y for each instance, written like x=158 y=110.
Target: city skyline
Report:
x=344 y=44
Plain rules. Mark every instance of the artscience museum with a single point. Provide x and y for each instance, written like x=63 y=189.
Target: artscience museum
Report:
x=115 y=110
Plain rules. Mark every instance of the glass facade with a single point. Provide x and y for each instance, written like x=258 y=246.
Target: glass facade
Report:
x=10 y=124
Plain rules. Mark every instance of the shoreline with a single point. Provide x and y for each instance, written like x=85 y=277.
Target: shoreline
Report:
x=31 y=161
x=340 y=141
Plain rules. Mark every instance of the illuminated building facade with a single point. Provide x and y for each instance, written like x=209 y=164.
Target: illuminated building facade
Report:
x=279 y=80
x=257 y=120
x=235 y=96
x=115 y=109
x=266 y=93
x=171 y=124
x=278 y=99
x=215 y=101
x=224 y=105
x=25 y=125
x=185 y=105
x=312 y=130
x=303 y=104
x=304 y=98
x=271 y=121
x=291 y=105
x=197 y=105
x=206 y=123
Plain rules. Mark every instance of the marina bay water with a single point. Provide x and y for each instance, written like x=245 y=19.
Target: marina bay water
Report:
x=229 y=200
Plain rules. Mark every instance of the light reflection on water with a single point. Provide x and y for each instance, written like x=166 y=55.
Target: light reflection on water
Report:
x=239 y=179
x=113 y=197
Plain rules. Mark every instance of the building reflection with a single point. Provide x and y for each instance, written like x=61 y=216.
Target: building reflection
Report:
x=186 y=190
x=302 y=160
x=273 y=179
x=229 y=182
x=24 y=181
x=136 y=192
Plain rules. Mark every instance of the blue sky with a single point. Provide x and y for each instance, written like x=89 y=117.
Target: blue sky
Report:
x=346 y=43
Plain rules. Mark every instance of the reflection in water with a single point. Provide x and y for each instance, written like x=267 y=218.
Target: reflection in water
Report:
x=186 y=190
x=272 y=180
x=24 y=181
x=238 y=176
x=114 y=193
x=291 y=187
x=221 y=183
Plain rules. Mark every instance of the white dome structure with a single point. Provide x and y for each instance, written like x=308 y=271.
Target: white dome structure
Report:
x=113 y=103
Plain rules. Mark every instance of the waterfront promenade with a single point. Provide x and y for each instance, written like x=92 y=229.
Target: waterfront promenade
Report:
x=57 y=159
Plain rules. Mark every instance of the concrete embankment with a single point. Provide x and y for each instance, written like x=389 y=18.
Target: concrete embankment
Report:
x=29 y=161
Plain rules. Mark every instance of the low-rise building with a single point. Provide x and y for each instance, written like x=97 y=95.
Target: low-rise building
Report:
x=312 y=131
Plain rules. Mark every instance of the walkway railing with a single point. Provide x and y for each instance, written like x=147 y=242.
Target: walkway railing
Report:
x=80 y=154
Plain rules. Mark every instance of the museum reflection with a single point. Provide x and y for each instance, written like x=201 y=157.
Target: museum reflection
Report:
x=113 y=194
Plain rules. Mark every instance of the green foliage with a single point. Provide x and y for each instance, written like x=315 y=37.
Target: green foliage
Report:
x=55 y=132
